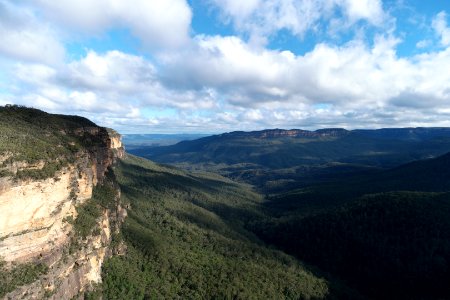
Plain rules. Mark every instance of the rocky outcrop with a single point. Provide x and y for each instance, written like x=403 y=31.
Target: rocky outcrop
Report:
x=34 y=218
x=116 y=143
x=75 y=267
x=31 y=215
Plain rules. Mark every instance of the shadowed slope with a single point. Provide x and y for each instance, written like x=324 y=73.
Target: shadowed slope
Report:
x=187 y=239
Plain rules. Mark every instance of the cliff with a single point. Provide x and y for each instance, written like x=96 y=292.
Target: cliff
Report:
x=293 y=133
x=42 y=196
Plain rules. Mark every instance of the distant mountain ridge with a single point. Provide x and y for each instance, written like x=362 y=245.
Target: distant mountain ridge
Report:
x=385 y=133
x=135 y=141
x=276 y=133
x=279 y=148
x=406 y=133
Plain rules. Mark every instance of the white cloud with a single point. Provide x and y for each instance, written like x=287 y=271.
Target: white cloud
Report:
x=370 y=10
x=156 y=23
x=248 y=77
x=263 y=18
x=355 y=79
x=240 y=9
x=221 y=83
x=23 y=37
x=423 y=44
x=440 y=26
x=114 y=71
x=113 y=84
x=252 y=115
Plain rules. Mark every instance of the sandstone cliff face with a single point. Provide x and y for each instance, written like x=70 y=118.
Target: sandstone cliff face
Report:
x=34 y=214
x=31 y=216
x=70 y=274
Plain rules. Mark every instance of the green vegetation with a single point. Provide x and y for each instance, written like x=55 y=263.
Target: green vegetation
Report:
x=432 y=175
x=95 y=293
x=86 y=222
x=105 y=194
x=387 y=234
x=186 y=240
x=31 y=136
x=49 y=169
x=4 y=173
x=334 y=204
x=18 y=275
x=389 y=245
x=280 y=163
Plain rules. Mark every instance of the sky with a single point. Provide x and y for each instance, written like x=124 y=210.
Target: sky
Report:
x=210 y=66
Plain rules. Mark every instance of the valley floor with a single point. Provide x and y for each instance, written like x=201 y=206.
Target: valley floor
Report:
x=186 y=239
x=383 y=234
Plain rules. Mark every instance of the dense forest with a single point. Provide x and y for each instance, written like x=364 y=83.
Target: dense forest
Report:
x=386 y=234
x=388 y=245
x=381 y=228
x=186 y=239
x=199 y=235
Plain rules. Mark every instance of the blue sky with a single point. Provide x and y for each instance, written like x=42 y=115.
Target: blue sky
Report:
x=207 y=66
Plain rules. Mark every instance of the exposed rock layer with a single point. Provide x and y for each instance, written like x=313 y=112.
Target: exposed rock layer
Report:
x=34 y=213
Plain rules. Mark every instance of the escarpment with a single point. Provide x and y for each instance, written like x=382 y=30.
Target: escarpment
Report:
x=59 y=203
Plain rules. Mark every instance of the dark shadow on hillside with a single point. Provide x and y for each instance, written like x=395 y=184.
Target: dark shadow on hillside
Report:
x=386 y=245
x=216 y=208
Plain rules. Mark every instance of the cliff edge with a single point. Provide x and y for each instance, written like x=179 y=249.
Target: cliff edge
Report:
x=59 y=202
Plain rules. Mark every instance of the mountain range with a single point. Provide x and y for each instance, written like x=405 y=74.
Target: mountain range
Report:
x=272 y=214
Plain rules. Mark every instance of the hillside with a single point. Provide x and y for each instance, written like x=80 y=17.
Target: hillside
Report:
x=286 y=148
x=384 y=231
x=276 y=160
x=430 y=175
x=386 y=234
x=387 y=246
x=384 y=245
x=186 y=239
x=30 y=137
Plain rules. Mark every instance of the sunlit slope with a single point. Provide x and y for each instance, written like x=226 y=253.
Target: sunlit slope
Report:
x=186 y=239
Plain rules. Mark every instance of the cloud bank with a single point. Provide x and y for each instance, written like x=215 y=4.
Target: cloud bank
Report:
x=178 y=81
